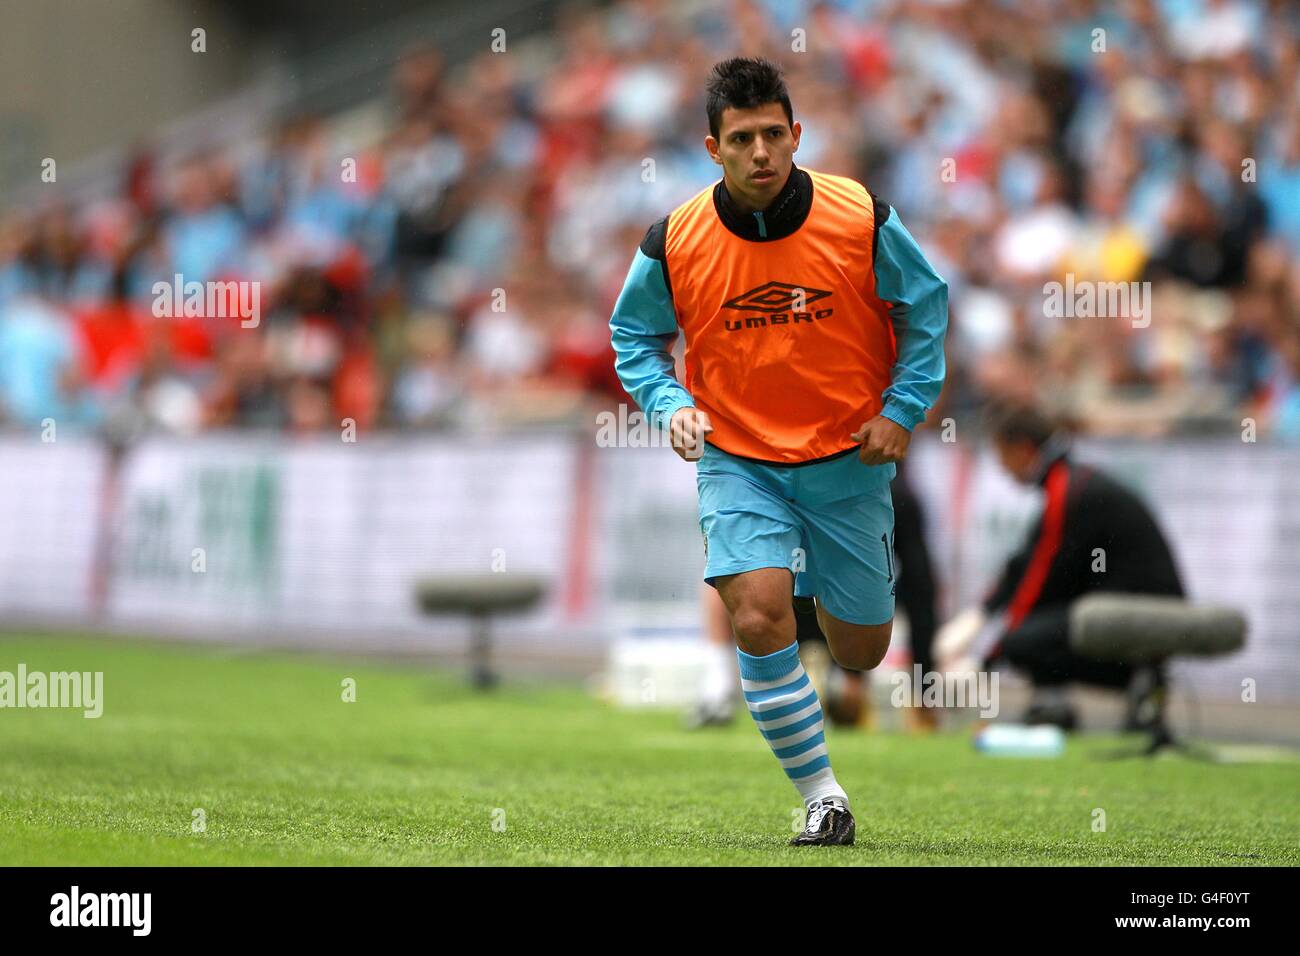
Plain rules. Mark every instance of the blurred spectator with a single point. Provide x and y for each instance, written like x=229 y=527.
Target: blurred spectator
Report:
x=448 y=256
x=41 y=376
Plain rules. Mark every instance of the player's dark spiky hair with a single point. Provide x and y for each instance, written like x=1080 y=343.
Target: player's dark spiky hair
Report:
x=1017 y=421
x=744 y=83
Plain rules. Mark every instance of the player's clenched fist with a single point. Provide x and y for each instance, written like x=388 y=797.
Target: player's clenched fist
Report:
x=882 y=440
x=687 y=430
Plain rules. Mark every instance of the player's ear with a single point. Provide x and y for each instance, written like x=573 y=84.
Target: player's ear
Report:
x=795 y=132
x=711 y=145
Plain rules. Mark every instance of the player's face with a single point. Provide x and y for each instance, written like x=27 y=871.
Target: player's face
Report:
x=755 y=148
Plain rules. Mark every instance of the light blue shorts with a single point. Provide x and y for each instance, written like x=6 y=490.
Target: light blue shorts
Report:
x=831 y=523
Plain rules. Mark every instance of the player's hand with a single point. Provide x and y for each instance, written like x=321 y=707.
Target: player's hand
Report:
x=687 y=430
x=883 y=441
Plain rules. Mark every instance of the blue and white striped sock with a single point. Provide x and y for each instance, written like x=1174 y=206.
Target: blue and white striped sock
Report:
x=784 y=705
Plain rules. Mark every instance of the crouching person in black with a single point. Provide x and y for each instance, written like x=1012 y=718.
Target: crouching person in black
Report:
x=1093 y=535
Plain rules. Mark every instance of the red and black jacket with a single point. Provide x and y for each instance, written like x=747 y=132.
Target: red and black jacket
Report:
x=1085 y=511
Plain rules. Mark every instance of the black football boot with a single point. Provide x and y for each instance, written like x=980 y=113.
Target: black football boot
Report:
x=829 y=824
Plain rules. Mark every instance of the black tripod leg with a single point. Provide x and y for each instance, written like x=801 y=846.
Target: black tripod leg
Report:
x=483 y=677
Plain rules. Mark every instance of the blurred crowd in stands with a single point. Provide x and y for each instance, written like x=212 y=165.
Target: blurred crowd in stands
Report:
x=448 y=255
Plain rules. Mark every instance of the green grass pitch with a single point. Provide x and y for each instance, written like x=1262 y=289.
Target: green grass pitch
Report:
x=421 y=770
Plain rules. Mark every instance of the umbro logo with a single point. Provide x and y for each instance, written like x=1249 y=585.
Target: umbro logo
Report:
x=781 y=303
x=776 y=297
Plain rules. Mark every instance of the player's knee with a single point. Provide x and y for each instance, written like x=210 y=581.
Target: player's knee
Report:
x=764 y=627
x=866 y=649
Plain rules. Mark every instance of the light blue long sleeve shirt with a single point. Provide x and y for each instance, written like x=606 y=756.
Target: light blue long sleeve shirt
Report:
x=643 y=330
x=917 y=297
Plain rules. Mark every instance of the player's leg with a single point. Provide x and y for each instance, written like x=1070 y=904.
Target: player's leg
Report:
x=781 y=699
x=751 y=538
x=760 y=606
x=851 y=543
x=842 y=691
x=858 y=647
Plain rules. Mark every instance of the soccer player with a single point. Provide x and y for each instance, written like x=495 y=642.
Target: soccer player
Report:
x=814 y=335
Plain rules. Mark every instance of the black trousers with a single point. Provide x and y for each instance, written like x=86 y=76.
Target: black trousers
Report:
x=1040 y=646
x=916 y=589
